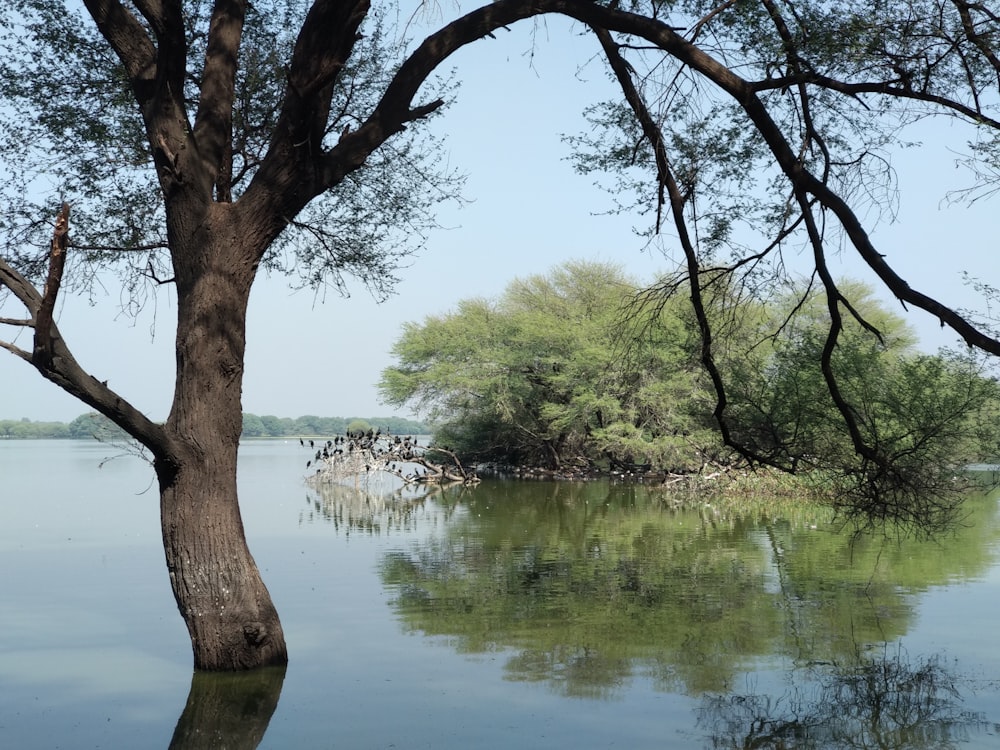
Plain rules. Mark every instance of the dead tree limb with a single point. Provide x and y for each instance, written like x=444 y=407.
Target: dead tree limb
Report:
x=42 y=356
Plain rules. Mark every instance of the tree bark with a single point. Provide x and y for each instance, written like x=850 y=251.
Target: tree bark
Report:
x=228 y=611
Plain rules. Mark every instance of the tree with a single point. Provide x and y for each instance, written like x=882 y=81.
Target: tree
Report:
x=924 y=412
x=196 y=147
x=563 y=371
x=548 y=376
x=253 y=426
x=273 y=426
x=94 y=425
x=786 y=150
x=200 y=141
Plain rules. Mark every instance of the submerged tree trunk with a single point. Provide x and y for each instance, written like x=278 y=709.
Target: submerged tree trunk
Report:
x=226 y=606
x=228 y=611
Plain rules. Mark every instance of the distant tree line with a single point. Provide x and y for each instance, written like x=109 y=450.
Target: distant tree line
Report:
x=93 y=425
x=85 y=426
x=271 y=426
x=25 y=429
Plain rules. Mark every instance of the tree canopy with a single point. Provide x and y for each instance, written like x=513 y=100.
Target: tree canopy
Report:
x=576 y=370
x=540 y=377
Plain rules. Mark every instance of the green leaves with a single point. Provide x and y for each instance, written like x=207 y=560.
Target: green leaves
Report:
x=922 y=416
x=576 y=370
x=551 y=374
x=73 y=131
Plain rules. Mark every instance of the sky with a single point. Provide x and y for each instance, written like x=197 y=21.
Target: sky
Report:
x=528 y=212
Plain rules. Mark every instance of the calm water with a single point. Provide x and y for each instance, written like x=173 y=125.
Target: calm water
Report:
x=532 y=616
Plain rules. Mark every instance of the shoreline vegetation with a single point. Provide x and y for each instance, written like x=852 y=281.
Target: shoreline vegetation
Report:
x=720 y=491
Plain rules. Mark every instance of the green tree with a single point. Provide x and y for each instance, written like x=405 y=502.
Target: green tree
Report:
x=94 y=425
x=253 y=426
x=273 y=426
x=924 y=413
x=311 y=425
x=548 y=375
x=358 y=425
x=200 y=141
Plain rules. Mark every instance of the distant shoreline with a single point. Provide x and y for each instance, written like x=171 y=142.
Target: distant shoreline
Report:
x=91 y=425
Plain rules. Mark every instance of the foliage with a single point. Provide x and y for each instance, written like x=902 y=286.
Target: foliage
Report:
x=365 y=226
x=541 y=377
x=96 y=426
x=26 y=429
x=579 y=369
x=927 y=415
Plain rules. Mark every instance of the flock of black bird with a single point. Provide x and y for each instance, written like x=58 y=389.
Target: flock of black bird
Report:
x=380 y=446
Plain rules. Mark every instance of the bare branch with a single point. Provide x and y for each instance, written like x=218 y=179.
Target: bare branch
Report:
x=57 y=263
x=395 y=108
x=52 y=358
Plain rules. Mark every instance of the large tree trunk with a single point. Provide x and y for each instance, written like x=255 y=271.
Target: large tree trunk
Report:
x=218 y=588
x=227 y=609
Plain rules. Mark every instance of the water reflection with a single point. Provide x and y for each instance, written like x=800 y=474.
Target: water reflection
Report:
x=228 y=710
x=590 y=588
x=373 y=511
x=878 y=701
x=559 y=616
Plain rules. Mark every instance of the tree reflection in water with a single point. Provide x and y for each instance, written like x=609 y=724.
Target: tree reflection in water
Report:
x=370 y=511
x=591 y=589
x=883 y=701
x=228 y=709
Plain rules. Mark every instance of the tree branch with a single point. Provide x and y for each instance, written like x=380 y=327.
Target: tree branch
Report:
x=982 y=43
x=666 y=183
x=213 y=125
x=130 y=42
x=53 y=359
x=42 y=356
x=291 y=165
x=793 y=167
x=156 y=74
x=395 y=108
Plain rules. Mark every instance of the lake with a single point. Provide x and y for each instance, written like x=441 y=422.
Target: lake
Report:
x=532 y=615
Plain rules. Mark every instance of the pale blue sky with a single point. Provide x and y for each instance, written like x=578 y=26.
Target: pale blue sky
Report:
x=530 y=212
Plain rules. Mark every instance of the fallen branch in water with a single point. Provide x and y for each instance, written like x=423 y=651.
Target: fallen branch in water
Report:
x=366 y=457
